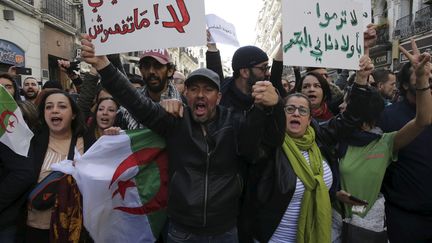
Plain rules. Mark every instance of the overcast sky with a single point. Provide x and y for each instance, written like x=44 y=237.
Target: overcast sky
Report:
x=242 y=14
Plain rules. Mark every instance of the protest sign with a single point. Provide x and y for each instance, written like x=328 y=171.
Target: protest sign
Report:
x=322 y=33
x=367 y=12
x=221 y=31
x=123 y=26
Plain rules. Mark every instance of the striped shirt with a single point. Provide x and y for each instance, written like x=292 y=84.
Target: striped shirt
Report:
x=287 y=229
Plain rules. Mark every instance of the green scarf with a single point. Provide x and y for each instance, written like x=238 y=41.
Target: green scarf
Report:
x=314 y=224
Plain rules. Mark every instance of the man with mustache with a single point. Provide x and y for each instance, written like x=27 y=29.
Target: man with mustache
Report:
x=31 y=89
x=157 y=70
x=206 y=147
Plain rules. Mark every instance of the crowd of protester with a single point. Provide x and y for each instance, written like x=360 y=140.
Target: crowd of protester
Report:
x=252 y=158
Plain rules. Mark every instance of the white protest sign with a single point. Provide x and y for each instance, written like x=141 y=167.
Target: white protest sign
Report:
x=132 y=25
x=221 y=31
x=367 y=12
x=322 y=33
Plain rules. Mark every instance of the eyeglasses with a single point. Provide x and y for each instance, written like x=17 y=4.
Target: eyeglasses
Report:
x=263 y=68
x=303 y=111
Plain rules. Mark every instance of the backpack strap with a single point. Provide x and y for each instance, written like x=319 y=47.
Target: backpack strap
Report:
x=71 y=153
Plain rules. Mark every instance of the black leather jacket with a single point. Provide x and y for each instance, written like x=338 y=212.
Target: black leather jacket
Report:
x=205 y=180
x=275 y=179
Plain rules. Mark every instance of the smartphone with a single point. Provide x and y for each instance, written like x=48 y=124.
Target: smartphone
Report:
x=358 y=200
x=23 y=71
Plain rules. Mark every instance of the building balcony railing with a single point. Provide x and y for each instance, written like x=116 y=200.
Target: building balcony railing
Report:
x=61 y=10
x=423 y=20
x=31 y=2
x=403 y=27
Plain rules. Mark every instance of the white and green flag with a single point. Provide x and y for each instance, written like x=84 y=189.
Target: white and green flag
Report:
x=123 y=180
x=14 y=132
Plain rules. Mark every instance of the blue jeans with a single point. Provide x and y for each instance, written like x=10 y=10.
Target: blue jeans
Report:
x=176 y=235
x=7 y=235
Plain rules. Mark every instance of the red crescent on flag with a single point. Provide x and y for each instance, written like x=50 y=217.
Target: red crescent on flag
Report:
x=3 y=116
x=146 y=156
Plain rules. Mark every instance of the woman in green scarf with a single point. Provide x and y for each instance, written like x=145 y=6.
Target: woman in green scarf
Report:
x=293 y=186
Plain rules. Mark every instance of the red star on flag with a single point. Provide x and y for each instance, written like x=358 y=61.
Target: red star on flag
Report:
x=122 y=187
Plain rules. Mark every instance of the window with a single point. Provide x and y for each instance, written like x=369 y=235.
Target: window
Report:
x=60 y=9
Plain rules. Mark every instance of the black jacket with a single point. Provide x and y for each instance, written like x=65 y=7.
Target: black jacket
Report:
x=16 y=176
x=205 y=181
x=275 y=179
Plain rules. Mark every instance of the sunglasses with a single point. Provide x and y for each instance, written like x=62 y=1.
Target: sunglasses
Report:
x=263 y=68
x=303 y=111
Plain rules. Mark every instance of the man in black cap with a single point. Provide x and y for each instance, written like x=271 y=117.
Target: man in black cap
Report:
x=206 y=147
x=250 y=64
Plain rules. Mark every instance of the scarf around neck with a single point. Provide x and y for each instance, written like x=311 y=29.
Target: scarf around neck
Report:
x=322 y=113
x=314 y=224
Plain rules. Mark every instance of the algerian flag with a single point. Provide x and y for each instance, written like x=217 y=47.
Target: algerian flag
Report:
x=14 y=132
x=123 y=180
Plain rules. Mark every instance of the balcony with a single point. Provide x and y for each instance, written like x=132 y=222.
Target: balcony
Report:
x=31 y=2
x=403 y=27
x=423 y=20
x=61 y=10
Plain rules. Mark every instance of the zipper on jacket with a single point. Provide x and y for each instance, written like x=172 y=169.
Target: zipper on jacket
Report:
x=206 y=185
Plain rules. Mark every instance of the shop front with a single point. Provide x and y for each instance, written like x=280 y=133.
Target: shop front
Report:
x=10 y=55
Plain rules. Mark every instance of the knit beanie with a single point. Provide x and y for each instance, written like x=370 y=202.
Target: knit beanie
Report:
x=248 y=56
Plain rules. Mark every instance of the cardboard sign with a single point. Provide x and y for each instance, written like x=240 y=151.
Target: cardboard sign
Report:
x=133 y=25
x=322 y=33
x=367 y=12
x=221 y=31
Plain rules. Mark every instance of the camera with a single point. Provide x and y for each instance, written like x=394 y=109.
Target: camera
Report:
x=23 y=70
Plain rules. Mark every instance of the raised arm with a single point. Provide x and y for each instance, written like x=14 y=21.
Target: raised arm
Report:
x=213 y=58
x=146 y=111
x=341 y=126
x=422 y=69
x=276 y=72
x=265 y=122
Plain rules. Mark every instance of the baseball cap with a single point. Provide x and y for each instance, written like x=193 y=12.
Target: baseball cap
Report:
x=179 y=75
x=203 y=73
x=248 y=56
x=161 y=55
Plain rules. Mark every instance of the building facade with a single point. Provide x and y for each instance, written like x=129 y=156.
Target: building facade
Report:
x=399 y=21
x=42 y=31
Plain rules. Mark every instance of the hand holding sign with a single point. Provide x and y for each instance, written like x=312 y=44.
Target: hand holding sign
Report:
x=370 y=37
x=221 y=31
x=366 y=68
x=88 y=54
